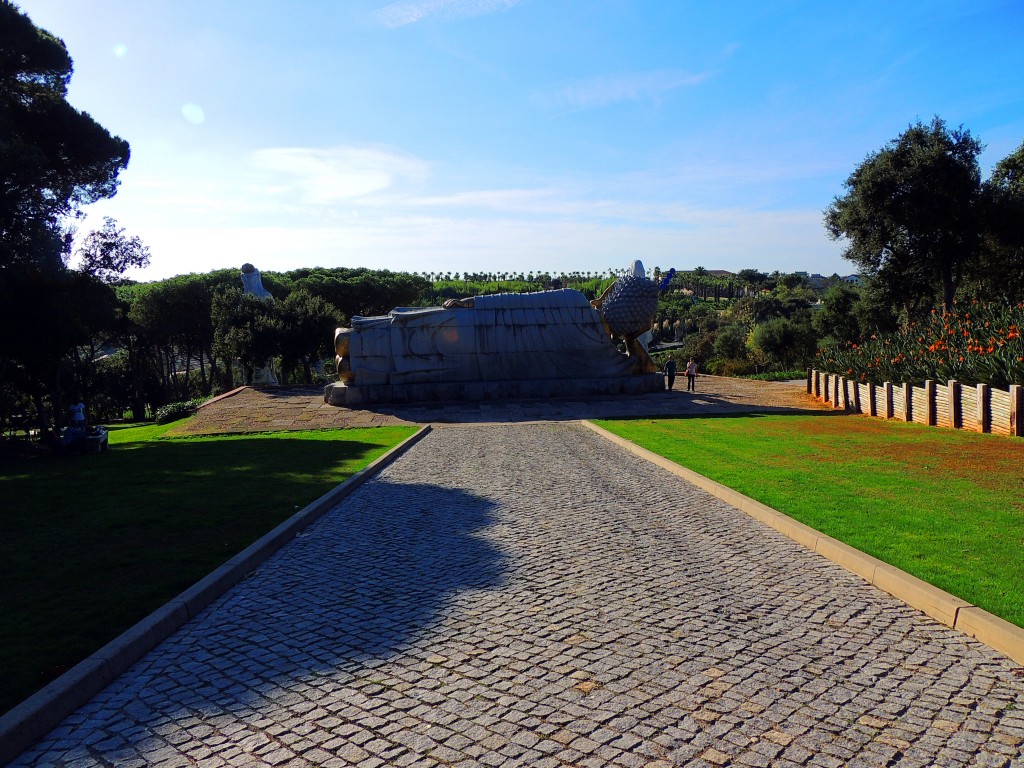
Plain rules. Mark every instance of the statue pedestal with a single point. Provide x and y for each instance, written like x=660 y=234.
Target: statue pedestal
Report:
x=343 y=395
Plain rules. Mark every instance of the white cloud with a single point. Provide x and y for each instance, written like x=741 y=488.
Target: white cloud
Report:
x=507 y=200
x=288 y=207
x=410 y=11
x=323 y=176
x=553 y=203
x=608 y=89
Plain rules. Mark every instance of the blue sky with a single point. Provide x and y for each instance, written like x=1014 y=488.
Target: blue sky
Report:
x=518 y=135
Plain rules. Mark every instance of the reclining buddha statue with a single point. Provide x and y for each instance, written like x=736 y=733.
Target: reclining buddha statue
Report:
x=508 y=345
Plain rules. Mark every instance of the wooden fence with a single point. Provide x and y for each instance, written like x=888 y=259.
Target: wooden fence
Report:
x=952 y=405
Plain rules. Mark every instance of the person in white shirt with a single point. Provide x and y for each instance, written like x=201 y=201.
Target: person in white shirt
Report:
x=691 y=376
x=77 y=413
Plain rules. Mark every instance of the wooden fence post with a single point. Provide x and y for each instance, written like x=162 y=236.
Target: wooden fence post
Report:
x=835 y=391
x=983 y=407
x=1016 y=410
x=953 y=393
x=929 y=400
x=817 y=384
x=888 y=400
x=872 y=400
x=908 y=401
x=844 y=395
x=809 y=373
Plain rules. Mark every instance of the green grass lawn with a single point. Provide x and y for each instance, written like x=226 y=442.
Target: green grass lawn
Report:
x=92 y=544
x=946 y=506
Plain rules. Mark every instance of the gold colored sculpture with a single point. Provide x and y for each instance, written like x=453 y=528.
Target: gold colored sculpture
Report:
x=341 y=350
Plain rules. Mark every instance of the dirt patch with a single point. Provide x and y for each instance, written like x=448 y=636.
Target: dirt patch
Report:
x=988 y=461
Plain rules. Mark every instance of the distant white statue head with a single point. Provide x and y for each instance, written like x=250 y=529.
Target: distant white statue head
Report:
x=252 y=283
x=637 y=269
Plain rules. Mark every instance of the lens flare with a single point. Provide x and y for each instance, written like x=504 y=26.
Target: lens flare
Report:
x=193 y=113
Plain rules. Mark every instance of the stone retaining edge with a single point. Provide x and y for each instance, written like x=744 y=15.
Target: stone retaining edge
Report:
x=222 y=396
x=44 y=710
x=952 y=611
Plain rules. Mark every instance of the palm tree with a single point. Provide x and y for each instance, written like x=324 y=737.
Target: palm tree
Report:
x=698 y=277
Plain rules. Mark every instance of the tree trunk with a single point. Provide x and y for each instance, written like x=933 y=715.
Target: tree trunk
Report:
x=948 y=289
x=202 y=372
x=57 y=400
x=4 y=399
x=41 y=425
x=188 y=371
x=229 y=375
x=170 y=369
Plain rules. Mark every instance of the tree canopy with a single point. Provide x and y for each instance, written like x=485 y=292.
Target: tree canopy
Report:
x=1002 y=266
x=108 y=252
x=53 y=157
x=912 y=213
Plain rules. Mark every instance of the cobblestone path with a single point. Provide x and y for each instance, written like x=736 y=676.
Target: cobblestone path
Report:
x=530 y=595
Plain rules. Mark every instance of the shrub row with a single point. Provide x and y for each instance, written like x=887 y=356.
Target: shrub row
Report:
x=179 y=410
x=977 y=344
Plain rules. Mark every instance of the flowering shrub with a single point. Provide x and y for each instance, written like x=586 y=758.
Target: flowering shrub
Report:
x=979 y=344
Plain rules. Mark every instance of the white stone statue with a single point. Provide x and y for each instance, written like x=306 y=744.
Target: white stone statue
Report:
x=546 y=344
x=252 y=284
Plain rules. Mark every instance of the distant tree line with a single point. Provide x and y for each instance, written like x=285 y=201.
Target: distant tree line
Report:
x=140 y=346
x=754 y=323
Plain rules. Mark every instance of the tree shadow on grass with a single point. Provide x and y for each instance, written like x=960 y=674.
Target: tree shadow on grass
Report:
x=97 y=542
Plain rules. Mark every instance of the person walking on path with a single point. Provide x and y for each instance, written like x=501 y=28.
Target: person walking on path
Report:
x=670 y=371
x=691 y=376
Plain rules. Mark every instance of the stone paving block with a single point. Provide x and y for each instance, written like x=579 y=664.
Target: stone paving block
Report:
x=513 y=595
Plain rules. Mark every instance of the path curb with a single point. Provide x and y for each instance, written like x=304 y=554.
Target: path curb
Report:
x=952 y=611
x=45 y=709
x=222 y=396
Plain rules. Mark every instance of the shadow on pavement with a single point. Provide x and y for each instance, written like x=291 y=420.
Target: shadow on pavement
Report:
x=361 y=585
